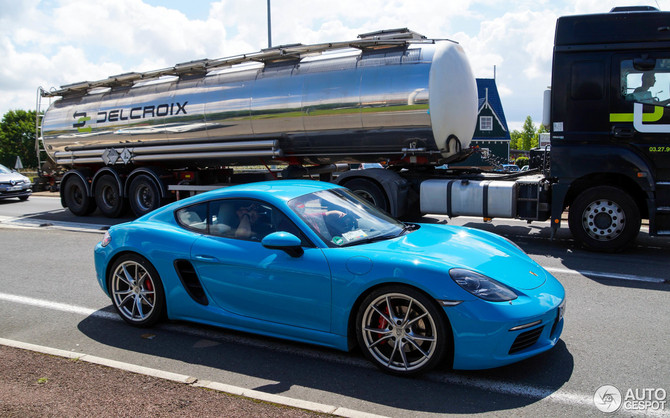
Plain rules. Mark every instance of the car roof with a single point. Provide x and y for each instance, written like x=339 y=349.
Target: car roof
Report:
x=274 y=190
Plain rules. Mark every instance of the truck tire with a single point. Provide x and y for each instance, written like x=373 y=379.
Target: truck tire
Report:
x=108 y=197
x=604 y=218
x=76 y=198
x=144 y=195
x=369 y=191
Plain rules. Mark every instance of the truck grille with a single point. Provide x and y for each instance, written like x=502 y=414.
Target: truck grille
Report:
x=525 y=340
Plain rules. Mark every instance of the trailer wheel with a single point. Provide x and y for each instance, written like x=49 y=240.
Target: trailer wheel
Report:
x=604 y=218
x=369 y=191
x=144 y=195
x=108 y=197
x=75 y=197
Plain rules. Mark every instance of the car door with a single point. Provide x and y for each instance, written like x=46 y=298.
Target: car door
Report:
x=245 y=278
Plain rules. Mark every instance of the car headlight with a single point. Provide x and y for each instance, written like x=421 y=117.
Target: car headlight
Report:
x=106 y=239
x=481 y=286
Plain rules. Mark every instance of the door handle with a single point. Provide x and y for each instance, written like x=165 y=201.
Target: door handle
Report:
x=206 y=258
x=623 y=132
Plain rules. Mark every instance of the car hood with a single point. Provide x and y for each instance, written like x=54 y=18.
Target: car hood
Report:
x=16 y=177
x=459 y=247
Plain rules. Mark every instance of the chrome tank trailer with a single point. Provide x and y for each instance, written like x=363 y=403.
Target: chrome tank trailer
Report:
x=397 y=97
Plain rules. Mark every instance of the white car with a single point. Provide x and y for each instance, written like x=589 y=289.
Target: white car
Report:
x=14 y=184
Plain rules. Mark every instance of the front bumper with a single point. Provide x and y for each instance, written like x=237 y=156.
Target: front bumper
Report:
x=488 y=335
x=19 y=190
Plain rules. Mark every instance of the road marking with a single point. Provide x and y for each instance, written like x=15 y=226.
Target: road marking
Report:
x=22 y=222
x=506 y=388
x=614 y=276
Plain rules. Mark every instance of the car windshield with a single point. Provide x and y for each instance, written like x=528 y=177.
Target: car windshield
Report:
x=341 y=218
x=4 y=170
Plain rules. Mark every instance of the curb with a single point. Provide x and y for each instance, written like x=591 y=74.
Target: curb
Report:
x=193 y=381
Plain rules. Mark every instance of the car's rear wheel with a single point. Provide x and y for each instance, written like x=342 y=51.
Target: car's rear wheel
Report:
x=401 y=330
x=136 y=290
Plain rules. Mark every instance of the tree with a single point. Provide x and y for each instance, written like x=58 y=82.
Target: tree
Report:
x=527 y=134
x=17 y=138
x=535 y=142
x=515 y=140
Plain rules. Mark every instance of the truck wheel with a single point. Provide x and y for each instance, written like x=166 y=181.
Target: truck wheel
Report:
x=75 y=197
x=108 y=197
x=604 y=218
x=369 y=191
x=144 y=195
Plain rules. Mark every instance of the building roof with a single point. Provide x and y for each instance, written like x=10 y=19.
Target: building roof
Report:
x=489 y=99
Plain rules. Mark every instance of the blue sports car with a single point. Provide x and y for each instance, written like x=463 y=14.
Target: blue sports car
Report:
x=313 y=262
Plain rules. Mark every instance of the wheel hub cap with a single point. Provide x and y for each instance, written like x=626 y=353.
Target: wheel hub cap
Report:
x=603 y=220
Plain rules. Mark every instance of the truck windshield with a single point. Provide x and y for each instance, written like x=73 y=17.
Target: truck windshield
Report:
x=340 y=218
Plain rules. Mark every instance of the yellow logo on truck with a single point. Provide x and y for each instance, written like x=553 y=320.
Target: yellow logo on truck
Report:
x=641 y=121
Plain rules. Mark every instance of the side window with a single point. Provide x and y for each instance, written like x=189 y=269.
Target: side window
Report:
x=193 y=217
x=646 y=80
x=249 y=220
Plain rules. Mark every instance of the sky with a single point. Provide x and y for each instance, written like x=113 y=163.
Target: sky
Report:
x=51 y=43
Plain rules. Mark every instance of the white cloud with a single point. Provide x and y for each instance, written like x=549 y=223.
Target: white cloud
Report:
x=65 y=41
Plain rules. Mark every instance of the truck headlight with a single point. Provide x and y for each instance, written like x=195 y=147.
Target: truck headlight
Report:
x=481 y=286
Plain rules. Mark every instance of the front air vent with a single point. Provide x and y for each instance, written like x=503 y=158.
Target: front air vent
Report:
x=525 y=340
x=190 y=281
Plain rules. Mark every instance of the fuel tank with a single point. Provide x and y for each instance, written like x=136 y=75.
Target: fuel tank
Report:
x=353 y=105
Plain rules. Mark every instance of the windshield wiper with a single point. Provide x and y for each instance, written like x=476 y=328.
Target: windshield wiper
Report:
x=369 y=240
x=408 y=228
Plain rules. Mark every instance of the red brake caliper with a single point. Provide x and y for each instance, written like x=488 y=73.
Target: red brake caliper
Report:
x=383 y=323
x=148 y=285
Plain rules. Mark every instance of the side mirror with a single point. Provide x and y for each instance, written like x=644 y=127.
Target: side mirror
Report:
x=283 y=241
x=644 y=64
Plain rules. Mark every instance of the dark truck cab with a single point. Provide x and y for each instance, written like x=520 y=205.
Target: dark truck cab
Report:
x=610 y=125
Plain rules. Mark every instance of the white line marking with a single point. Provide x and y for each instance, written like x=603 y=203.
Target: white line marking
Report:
x=615 y=276
x=502 y=387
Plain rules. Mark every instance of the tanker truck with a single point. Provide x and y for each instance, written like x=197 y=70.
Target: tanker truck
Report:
x=396 y=97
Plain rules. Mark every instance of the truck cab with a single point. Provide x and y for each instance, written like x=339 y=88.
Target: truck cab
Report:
x=610 y=125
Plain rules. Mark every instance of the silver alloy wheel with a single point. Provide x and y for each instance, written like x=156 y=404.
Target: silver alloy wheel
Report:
x=603 y=220
x=399 y=332
x=133 y=291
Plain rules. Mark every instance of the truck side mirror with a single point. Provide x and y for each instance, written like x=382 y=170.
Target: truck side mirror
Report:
x=644 y=64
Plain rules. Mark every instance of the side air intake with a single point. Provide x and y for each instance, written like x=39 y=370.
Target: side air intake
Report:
x=190 y=281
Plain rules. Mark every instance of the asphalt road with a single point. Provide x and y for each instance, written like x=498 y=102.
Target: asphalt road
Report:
x=617 y=328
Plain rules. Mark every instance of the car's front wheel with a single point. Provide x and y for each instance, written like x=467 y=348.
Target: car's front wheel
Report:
x=401 y=330
x=136 y=290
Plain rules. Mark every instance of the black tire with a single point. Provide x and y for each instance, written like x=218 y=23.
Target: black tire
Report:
x=369 y=191
x=108 y=197
x=136 y=290
x=604 y=218
x=144 y=195
x=400 y=339
x=75 y=197
x=23 y=198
